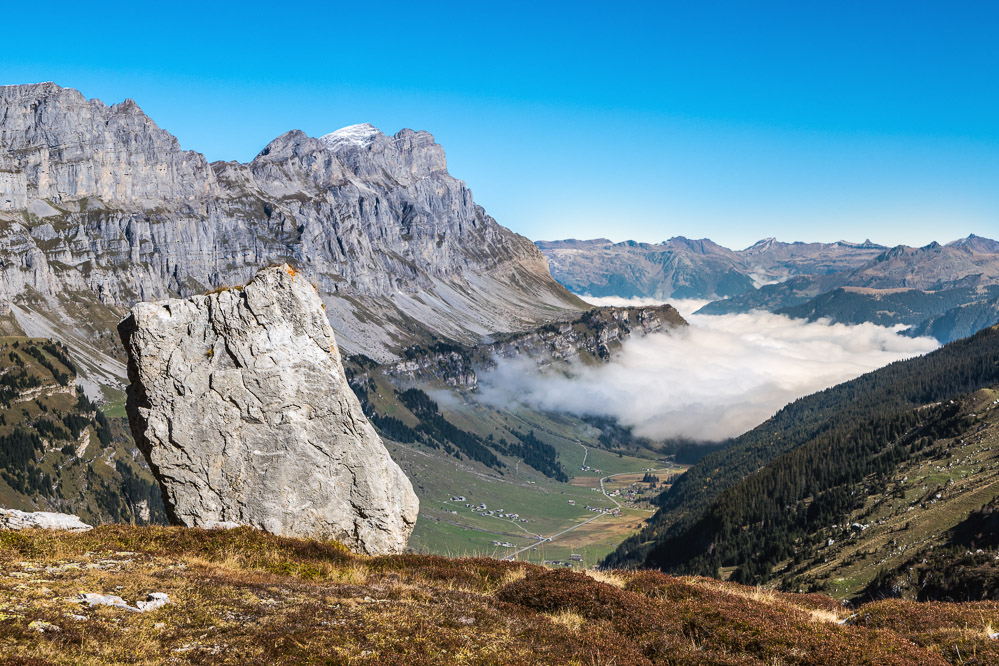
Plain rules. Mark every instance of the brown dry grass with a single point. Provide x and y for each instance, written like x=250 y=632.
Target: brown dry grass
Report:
x=244 y=597
x=608 y=577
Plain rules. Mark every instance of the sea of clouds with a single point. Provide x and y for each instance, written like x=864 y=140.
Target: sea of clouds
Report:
x=717 y=378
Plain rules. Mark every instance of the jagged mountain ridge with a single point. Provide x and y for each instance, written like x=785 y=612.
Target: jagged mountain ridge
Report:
x=686 y=268
x=844 y=282
x=100 y=208
x=903 y=285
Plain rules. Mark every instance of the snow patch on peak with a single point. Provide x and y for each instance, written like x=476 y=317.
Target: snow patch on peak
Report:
x=357 y=136
x=760 y=245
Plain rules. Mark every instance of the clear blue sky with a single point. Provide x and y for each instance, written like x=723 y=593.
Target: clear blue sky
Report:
x=730 y=120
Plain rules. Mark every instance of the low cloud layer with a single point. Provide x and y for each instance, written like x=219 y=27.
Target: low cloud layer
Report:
x=718 y=378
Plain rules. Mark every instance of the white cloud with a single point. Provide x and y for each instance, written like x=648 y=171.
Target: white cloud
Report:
x=685 y=306
x=718 y=378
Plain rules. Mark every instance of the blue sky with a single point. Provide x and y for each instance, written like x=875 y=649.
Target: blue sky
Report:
x=729 y=120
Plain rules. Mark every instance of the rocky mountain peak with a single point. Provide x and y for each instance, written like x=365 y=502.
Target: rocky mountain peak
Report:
x=895 y=253
x=59 y=146
x=704 y=246
x=405 y=158
x=98 y=202
x=977 y=244
x=761 y=245
x=352 y=137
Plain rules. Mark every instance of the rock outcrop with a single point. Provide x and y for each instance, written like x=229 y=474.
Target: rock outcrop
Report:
x=12 y=519
x=239 y=402
x=592 y=338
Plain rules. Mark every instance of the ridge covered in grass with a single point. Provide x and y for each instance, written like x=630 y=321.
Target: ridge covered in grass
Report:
x=246 y=597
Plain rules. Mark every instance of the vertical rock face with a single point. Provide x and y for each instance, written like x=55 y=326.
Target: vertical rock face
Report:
x=239 y=401
x=98 y=203
x=59 y=146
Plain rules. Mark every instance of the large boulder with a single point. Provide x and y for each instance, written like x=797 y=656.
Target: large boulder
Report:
x=239 y=402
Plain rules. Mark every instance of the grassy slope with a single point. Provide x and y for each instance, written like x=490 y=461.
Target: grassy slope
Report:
x=85 y=480
x=909 y=520
x=244 y=597
x=924 y=498
x=906 y=514
x=543 y=502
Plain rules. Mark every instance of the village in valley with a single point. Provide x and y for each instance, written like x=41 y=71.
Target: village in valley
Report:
x=629 y=492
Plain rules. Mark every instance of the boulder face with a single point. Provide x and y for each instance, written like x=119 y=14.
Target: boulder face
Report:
x=239 y=402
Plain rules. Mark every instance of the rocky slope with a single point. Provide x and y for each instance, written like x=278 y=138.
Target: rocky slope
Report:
x=100 y=208
x=591 y=338
x=685 y=268
x=239 y=402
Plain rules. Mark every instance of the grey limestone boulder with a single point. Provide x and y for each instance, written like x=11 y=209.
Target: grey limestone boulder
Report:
x=12 y=519
x=239 y=402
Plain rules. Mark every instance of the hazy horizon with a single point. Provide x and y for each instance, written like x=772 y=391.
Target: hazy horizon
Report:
x=994 y=236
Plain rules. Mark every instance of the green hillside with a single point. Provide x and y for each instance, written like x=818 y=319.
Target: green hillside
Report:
x=58 y=450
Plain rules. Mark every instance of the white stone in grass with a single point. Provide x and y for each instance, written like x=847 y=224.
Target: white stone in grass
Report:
x=12 y=519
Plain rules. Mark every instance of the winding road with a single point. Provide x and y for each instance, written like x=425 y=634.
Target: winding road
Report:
x=552 y=537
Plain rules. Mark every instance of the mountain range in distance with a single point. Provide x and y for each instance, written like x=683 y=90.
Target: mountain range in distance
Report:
x=946 y=291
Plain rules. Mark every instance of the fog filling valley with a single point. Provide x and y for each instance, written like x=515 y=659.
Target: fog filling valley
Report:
x=717 y=378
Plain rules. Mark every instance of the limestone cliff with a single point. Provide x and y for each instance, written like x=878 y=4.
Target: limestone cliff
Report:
x=100 y=208
x=239 y=402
